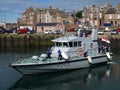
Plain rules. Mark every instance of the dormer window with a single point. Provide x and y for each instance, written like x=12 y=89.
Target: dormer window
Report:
x=31 y=14
x=118 y=9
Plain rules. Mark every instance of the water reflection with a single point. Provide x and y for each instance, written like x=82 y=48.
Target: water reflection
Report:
x=68 y=80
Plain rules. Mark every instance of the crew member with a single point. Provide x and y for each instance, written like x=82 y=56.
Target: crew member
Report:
x=59 y=55
x=48 y=53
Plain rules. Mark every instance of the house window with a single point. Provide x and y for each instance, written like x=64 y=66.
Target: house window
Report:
x=100 y=15
x=115 y=22
x=110 y=16
x=118 y=16
x=31 y=14
x=91 y=15
x=112 y=22
x=118 y=9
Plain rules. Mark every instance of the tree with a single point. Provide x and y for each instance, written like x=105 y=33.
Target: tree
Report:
x=79 y=14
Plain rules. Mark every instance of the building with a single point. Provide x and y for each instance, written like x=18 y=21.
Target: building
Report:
x=102 y=16
x=28 y=17
x=32 y=16
x=92 y=16
x=42 y=27
x=112 y=16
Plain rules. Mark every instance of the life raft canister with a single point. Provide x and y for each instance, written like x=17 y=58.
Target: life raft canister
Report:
x=81 y=52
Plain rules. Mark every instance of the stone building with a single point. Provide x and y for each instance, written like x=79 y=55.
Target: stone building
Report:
x=42 y=27
x=112 y=16
x=28 y=17
x=32 y=16
x=99 y=16
x=92 y=16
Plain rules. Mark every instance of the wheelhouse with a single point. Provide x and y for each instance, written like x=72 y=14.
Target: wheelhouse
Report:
x=68 y=42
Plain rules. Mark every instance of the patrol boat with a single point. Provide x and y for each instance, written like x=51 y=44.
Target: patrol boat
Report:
x=77 y=51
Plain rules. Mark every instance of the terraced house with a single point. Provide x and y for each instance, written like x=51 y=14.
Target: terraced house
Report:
x=99 y=16
x=94 y=15
x=34 y=16
x=113 y=16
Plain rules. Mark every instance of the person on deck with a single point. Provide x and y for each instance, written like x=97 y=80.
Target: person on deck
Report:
x=81 y=33
x=85 y=53
x=104 y=49
x=99 y=48
x=59 y=55
x=48 y=53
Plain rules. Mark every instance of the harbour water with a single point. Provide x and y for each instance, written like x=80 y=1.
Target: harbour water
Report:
x=105 y=77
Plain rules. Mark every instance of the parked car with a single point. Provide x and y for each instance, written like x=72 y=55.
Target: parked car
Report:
x=118 y=30
x=48 y=32
x=71 y=30
x=88 y=31
x=114 y=32
x=2 y=30
x=56 y=32
x=31 y=31
x=12 y=30
x=22 y=31
x=100 y=32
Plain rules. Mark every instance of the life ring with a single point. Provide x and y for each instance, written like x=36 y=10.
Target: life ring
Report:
x=81 y=52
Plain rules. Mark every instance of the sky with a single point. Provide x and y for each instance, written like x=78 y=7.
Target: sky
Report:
x=10 y=10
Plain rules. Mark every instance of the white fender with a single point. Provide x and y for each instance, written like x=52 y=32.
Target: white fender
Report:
x=108 y=55
x=89 y=59
x=34 y=57
x=64 y=55
x=43 y=55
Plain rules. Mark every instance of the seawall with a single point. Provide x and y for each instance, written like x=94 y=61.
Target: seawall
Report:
x=37 y=40
x=15 y=40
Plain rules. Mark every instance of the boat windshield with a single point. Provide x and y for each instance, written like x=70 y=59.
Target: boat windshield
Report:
x=58 y=44
x=65 y=44
x=68 y=44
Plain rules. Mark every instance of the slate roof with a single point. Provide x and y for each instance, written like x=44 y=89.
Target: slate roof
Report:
x=63 y=14
x=46 y=24
x=111 y=11
x=118 y=5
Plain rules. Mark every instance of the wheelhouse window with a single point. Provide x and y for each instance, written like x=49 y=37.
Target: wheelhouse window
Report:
x=70 y=44
x=91 y=45
x=65 y=44
x=58 y=44
x=118 y=16
x=79 y=43
x=75 y=44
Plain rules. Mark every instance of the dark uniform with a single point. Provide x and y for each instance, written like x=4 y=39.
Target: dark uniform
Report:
x=59 y=55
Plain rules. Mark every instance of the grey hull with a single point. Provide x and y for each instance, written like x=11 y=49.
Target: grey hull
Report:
x=59 y=66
